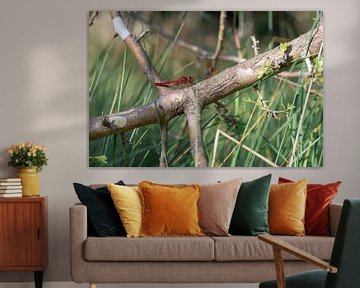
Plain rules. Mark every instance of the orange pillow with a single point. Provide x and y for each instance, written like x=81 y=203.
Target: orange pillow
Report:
x=287 y=204
x=169 y=210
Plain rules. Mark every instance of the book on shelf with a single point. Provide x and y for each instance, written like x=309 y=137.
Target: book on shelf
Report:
x=9 y=195
x=10 y=191
x=10 y=183
x=10 y=180
x=10 y=188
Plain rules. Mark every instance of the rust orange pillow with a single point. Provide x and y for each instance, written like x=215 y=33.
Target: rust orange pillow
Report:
x=169 y=210
x=319 y=197
x=287 y=204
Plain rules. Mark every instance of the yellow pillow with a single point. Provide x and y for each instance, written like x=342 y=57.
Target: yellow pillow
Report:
x=127 y=201
x=169 y=210
x=287 y=204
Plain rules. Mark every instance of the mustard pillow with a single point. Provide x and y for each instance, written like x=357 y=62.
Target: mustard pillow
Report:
x=287 y=204
x=169 y=210
x=127 y=201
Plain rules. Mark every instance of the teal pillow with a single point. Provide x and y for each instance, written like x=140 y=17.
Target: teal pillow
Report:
x=250 y=216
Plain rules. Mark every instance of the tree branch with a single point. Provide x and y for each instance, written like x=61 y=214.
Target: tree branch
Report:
x=220 y=40
x=193 y=114
x=145 y=64
x=138 y=52
x=164 y=141
x=123 y=121
x=94 y=14
x=175 y=102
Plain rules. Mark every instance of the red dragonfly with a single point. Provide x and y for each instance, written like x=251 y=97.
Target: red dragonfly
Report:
x=181 y=81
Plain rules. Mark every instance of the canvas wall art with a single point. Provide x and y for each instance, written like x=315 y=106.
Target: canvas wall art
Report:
x=205 y=88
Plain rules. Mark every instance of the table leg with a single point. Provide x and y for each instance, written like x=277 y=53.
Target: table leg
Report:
x=38 y=279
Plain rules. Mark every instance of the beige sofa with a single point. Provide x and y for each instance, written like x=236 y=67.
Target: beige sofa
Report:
x=234 y=259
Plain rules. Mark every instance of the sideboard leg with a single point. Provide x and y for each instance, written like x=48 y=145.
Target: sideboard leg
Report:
x=38 y=279
x=92 y=285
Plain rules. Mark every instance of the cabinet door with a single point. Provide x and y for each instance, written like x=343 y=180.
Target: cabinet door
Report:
x=21 y=234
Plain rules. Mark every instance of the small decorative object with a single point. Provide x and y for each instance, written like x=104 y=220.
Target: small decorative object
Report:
x=30 y=158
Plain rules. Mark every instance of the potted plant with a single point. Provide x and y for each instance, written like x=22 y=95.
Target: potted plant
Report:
x=30 y=158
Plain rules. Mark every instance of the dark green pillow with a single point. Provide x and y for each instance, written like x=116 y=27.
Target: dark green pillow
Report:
x=103 y=219
x=250 y=216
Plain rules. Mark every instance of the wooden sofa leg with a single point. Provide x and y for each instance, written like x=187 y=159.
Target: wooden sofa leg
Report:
x=92 y=285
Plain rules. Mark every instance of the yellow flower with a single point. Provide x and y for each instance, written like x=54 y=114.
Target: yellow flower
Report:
x=28 y=153
x=41 y=147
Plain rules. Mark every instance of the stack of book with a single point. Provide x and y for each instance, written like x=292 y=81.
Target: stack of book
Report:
x=10 y=187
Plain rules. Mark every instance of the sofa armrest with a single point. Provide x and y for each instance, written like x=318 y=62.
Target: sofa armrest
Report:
x=78 y=235
x=334 y=217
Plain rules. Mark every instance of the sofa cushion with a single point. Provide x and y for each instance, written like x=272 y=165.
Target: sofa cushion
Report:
x=149 y=249
x=244 y=248
x=169 y=210
x=102 y=216
x=287 y=204
x=216 y=206
x=250 y=215
x=318 y=199
x=127 y=201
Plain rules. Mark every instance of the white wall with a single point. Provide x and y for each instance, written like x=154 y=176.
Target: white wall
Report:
x=43 y=88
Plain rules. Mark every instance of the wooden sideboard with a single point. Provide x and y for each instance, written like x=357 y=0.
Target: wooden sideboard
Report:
x=23 y=235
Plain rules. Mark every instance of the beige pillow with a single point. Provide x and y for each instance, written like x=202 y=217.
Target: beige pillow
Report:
x=216 y=206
